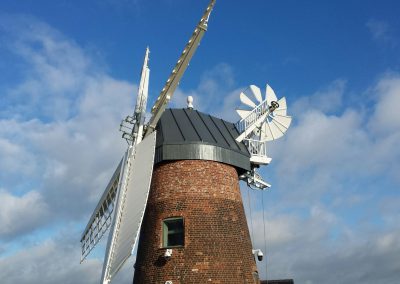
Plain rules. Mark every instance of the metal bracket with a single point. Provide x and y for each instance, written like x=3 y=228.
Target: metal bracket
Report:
x=254 y=180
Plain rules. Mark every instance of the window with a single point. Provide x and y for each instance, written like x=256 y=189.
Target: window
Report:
x=173 y=232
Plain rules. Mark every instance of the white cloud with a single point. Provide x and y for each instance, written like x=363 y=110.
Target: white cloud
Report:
x=386 y=115
x=327 y=100
x=319 y=140
x=54 y=67
x=14 y=158
x=328 y=149
x=52 y=261
x=317 y=246
x=59 y=125
x=334 y=171
x=20 y=214
x=59 y=146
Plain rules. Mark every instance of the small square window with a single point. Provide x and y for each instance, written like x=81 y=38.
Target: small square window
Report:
x=173 y=232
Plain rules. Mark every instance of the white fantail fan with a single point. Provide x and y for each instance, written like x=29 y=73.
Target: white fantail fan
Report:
x=276 y=122
x=264 y=120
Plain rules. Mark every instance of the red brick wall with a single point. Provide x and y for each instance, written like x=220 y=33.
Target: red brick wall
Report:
x=217 y=242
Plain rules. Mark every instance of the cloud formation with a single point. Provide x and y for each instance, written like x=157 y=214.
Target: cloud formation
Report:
x=51 y=261
x=14 y=218
x=331 y=216
x=332 y=175
x=59 y=126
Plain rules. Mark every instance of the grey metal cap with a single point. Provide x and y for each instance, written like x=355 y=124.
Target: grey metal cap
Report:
x=187 y=134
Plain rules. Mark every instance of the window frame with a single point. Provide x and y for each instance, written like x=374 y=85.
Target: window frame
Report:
x=165 y=231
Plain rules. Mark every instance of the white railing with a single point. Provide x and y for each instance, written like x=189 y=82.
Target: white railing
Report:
x=256 y=147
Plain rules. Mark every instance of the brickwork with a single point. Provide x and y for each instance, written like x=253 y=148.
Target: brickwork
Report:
x=217 y=245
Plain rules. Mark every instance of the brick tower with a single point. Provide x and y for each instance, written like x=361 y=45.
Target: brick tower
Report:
x=194 y=229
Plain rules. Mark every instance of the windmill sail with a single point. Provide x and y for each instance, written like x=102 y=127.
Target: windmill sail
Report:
x=141 y=101
x=101 y=218
x=176 y=75
x=132 y=126
x=130 y=206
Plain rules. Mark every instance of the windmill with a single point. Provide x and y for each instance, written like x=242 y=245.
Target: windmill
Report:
x=176 y=190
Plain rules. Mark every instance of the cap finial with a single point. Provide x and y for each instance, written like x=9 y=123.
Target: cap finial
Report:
x=190 y=102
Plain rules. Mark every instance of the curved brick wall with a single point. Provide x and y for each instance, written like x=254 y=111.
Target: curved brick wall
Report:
x=217 y=242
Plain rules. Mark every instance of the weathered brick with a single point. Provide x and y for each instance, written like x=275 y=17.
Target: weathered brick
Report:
x=217 y=242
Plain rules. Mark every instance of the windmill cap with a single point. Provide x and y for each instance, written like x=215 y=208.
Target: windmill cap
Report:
x=185 y=134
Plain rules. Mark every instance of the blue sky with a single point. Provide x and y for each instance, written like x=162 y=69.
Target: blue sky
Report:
x=69 y=75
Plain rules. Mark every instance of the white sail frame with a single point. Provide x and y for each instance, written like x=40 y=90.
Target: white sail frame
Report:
x=130 y=206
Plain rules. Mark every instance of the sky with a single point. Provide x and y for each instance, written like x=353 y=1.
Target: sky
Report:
x=69 y=74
